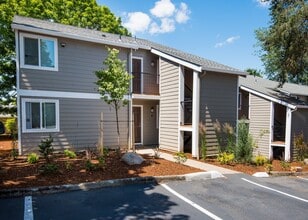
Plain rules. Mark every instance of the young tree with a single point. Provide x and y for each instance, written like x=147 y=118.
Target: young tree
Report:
x=81 y=13
x=254 y=72
x=113 y=83
x=284 y=44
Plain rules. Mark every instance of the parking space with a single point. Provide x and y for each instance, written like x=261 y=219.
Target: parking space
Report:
x=237 y=196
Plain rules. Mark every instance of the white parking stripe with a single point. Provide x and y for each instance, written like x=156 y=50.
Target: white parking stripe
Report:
x=28 y=213
x=302 y=178
x=208 y=213
x=275 y=190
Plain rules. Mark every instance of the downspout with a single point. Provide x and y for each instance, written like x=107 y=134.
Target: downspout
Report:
x=17 y=91
x=130 y=104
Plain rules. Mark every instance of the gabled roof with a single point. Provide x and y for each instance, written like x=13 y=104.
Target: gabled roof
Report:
x=61 y=30
x=289 y=93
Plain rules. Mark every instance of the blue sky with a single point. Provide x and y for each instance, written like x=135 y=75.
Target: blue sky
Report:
x=219 y=30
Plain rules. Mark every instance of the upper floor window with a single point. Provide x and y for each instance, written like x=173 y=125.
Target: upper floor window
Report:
x=38 y=52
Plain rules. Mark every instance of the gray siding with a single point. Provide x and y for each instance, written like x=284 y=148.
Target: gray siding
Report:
x=169 y=105
x=259 y=124
x=150 y=129
x=218 y=102
x=79 y=126
x=77 y=62
x=299 y=125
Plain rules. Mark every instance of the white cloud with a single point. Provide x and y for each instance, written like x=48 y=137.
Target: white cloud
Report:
x=229 y=40
x=182 y=14
x=137 y=22
x=263 y=3
x=162 y=18
x=167 y=25
x=163 y=8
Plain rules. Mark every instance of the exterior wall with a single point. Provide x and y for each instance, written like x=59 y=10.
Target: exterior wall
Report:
x=218 y=102
x=80 y=126
x=77 y=62
x=259 y=124
x=299 y=125
x=150 y=129
x=169 y=105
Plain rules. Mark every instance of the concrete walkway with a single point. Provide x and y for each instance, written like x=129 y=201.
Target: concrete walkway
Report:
x=189 y=162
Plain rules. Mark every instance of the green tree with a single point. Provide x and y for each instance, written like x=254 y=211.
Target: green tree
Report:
x=81 y=13
x=284 y=44
x=113 y=83
x=254 y=72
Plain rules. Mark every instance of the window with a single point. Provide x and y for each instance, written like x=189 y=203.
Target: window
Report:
x=39 y=52
x=40 y=115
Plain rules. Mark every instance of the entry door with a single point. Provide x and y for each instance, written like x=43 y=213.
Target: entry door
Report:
x=137 y=69
x=137 y=111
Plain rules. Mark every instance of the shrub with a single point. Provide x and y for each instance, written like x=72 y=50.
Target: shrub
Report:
x=202 y=132
x=45 y=147
x=180 y=157
x=268 y=168
x=226 y=136
x=32 y=158
x=49 y=168
x=300 y=146
x=285 y=165
x=70 y=154
x=244 y=147
x=11 y=127
x=225 y=158
x=90 y=166
x=260 y=160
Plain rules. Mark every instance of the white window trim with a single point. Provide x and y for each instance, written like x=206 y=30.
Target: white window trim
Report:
x=24 y=128
x=22 y=52
x=239 y=101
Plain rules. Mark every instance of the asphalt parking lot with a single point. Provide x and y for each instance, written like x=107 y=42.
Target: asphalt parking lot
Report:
x=237 y=196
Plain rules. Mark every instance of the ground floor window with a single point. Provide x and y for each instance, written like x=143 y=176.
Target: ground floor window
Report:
x=40 y=115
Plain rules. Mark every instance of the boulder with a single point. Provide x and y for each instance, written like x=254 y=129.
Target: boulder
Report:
x=131 y=158
x=306 y=161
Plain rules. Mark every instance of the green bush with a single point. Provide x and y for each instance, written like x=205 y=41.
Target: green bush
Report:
x=243 y=149
x=49 y=168
x=11 y=127
x=180 y=157
x=202 y=132
x=90 y=166
x=285 y=165
x=225 y=158
x=70 y=154
x=260 y=160
x=32 y=158
x=45 y=147
x=300 y=146
x=268 y=168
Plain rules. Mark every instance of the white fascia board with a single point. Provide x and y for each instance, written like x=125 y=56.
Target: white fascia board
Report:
x=148 y=97
x=268 y=97
x=72 y=36
x=177 y=60
x=231 y=72
x=302 y=106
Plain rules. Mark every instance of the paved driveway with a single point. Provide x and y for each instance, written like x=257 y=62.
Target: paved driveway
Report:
x=237 y=196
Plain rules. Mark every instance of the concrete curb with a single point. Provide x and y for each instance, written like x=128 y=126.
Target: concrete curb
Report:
x=18 y=192
x=287 y=173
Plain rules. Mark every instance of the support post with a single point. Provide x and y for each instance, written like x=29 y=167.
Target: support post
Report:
x=195 y=114
x=287 y=151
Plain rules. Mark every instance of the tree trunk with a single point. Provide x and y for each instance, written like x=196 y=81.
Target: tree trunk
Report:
x=117 y=119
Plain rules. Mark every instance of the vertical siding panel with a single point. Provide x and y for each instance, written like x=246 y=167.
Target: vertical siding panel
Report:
x=299 y=125
x=259 y=124
x=169 y=105
x=218 y=95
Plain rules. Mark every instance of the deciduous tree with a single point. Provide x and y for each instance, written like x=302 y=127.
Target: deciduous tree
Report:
x=284 y=44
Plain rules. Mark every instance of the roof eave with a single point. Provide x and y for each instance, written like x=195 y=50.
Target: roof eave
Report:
x=270 y=98
x=22 y=27
x=239 y=73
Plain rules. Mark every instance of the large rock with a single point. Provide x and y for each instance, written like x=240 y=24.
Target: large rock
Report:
x=131 y=158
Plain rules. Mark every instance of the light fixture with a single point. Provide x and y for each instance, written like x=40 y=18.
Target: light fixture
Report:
x=152 y=63
x=152 y=110
x=63 y=44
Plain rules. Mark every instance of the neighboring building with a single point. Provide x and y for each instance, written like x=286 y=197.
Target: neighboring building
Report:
x=171 y=91
x=275 y=115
